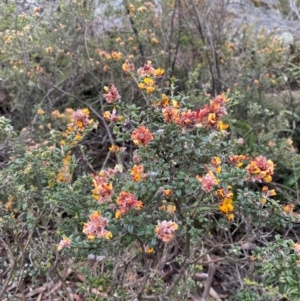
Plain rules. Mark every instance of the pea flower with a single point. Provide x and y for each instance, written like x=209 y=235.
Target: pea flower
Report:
x=141 y=136
x=137 y=173
x=260 y=169
x=64 y=243
x=208 y=181
x=112 y=94
x=128 y=67
x=96 y=227
x=165 y=230
x=127 y=201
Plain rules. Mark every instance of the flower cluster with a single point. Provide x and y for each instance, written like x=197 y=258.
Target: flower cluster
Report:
x=103 y=190
x=146 y=71
x=96 y=227
x=147 y=74
x=208 y=181
x=260 y=169
x=168 y=207
x=79 y=121
x=137 y=173
x=209 y=116
x=141 y=136
x=64 y=174
x=112 y=116
x=112 y=94
x=127 y=201
x=225 y=196
x=237 y=160
x=288 y=208
x=128 y=67
x=147 y=84
x=215 y=165
x=163 y=102
x=165 y=230
x=266 y=193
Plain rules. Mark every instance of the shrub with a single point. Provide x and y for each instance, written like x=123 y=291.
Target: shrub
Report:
x=186 y=201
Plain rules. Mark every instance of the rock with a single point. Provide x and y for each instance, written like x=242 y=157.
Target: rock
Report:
x=260 y=15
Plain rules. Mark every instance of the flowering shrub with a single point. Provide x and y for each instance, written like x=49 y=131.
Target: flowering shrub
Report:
x=174 y=188
x=184 y=181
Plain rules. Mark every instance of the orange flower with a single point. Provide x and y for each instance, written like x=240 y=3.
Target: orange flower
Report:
x=164 y=102
x=128 y=67
x=170 y=114
x=80 y=120
x=95 y=227
x=112 y=94
x=165 y=230
x=187 y=119
x=288 y=208
x=237 y=159
x=55 y=114
x=112 y=116
x=209 y=116
x=64 y=174
x=114 y=148
x=168 y=192
x=141 y=136
x=137 y=173
x=103 y=190
x=208 y=181
x=226 y=205
x=216 y=161
x=127 y=201
x=64 y=243
x=116 y=55
x=260 y=169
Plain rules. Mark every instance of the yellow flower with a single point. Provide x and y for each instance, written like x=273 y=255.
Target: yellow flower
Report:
x=40 y=112
x=226 y=206
x=223 y=126
x=118 y=214
x=159 y=72
x=149 y=81
x=108 y=235
x=230 y=216
x=114 y=148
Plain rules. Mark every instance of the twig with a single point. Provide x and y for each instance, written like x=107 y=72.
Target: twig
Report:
x=207 y=286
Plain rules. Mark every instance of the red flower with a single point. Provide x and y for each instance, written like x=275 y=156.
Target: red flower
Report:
x=141 y=136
